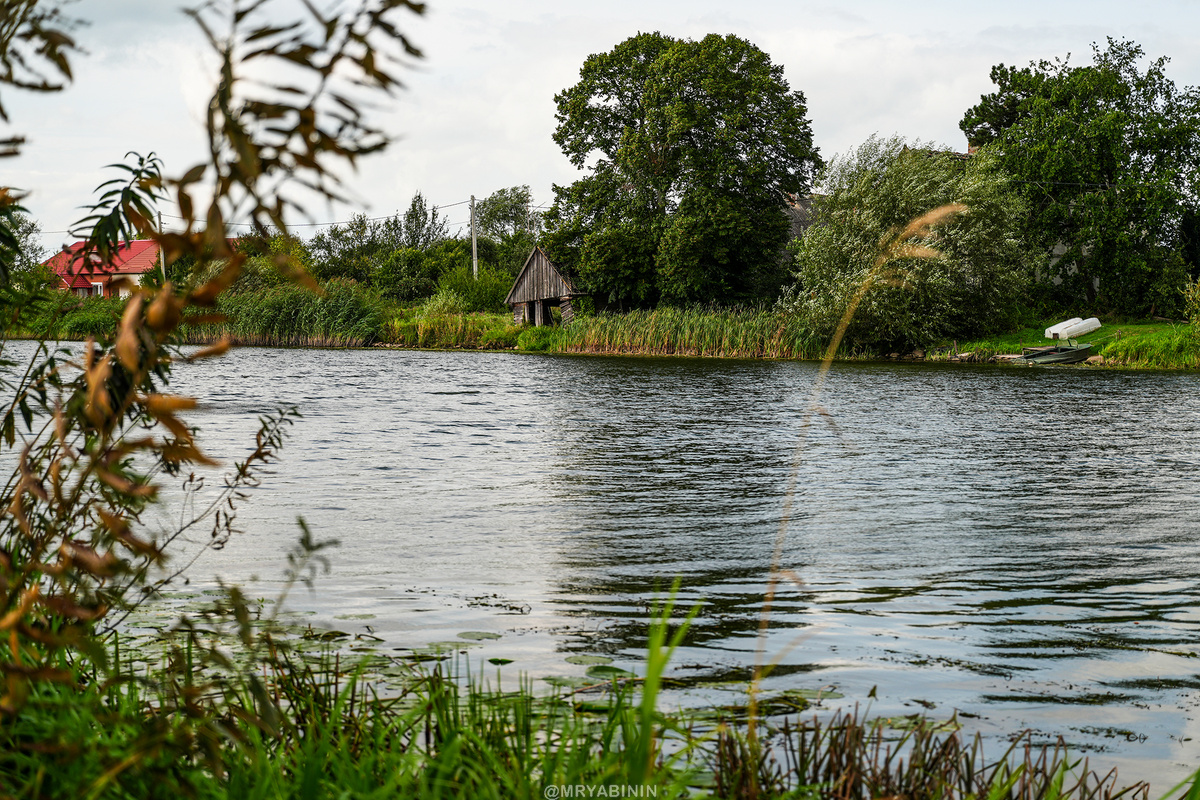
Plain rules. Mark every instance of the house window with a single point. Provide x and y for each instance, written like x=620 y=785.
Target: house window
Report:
x=98 y=289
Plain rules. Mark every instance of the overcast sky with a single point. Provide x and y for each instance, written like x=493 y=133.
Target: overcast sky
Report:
x=478 y=111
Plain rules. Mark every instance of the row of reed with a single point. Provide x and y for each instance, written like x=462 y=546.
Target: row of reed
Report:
x=716 y=332
x=345 y=314
x=725 y=333
x=453 y=331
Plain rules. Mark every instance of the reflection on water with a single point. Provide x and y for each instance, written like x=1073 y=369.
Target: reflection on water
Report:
x=1015 y=545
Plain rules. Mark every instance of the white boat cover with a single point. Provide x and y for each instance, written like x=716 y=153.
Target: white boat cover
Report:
x=1053 y=329
x=1076 y=328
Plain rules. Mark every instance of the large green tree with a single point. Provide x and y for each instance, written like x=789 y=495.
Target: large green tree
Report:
x=1107 y=156
x=693 y=149
x=507 y=217
x=966 y=278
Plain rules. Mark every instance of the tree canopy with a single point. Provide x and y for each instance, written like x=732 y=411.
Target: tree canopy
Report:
x=692 y=150
x=1107 y=156
x=964 y=281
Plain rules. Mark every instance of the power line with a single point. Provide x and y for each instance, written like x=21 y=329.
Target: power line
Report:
x=337 y=222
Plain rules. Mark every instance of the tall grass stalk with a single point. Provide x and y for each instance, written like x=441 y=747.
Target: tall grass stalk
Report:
x=900 y=244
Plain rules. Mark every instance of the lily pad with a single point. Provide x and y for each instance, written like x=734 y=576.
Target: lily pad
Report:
x=604 y=672
x=588 y=661
x=915 y=721
x=478 y=635
x=500 y=662
x=355 y=616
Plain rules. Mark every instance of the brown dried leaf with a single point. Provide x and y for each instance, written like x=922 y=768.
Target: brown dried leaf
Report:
x=207 y=294
x=176 y=427
x=64 y=607
x=218 y=349
x=99 y=407
x=186 y=452
x=165 y=312
x=167 y=403
x=128 y=346
x=102 y=566
x=125 y=485
x=13 y=617
x=114 y=523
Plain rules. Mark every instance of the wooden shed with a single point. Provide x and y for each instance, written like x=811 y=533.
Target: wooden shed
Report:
x=539 y=287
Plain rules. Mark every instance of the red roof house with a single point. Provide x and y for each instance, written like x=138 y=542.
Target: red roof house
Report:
x=93 y=277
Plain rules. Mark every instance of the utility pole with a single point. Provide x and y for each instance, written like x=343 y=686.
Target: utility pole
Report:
x=474 y=246
x=162 y=259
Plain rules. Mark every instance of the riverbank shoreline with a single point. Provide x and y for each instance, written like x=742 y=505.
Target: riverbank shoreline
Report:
x=703 y=333
x=971 y=358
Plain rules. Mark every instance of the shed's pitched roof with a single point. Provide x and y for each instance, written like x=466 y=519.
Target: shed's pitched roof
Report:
x=539 y=279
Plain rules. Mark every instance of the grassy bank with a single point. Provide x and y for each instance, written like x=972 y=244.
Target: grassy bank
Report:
x=1138 y=345
x=348 y=315
x=760 y=334
x=450 y=331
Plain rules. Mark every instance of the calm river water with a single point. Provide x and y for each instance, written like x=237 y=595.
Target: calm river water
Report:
x=1017 y=545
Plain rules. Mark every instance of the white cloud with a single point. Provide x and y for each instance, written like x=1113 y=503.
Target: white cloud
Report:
x=478 y=112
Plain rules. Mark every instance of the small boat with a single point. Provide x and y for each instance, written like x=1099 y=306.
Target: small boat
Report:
x=1070 y=353
x=1055 y=354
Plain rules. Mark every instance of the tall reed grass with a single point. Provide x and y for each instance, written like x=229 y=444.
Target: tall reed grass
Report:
x=718 y=332
x=727 y=333
x=346 y=314
x=437 y=330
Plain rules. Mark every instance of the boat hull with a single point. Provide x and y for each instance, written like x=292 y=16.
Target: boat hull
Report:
x=1062 y=354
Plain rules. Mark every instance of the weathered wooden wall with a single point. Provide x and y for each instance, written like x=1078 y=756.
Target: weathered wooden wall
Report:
x=538 y=287
x=538 y=280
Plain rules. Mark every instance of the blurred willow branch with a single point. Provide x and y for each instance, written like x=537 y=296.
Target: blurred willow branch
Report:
x=88 y=431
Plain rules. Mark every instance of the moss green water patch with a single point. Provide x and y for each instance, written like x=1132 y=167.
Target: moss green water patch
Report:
x=478 y=636
x=567 y=681
x=355 y=616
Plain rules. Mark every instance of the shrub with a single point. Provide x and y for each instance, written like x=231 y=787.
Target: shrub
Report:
x=1191 y=301
x=407 y=274
x=95 y=316
x=446 y=301
x=536 y=339
x=485 y=294
x=971 y=286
